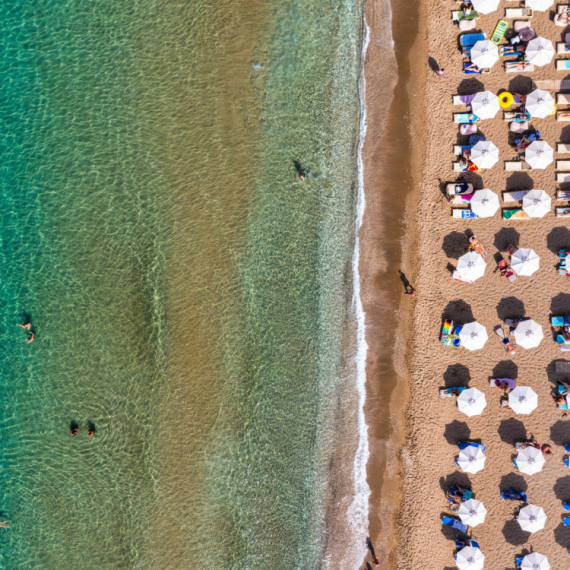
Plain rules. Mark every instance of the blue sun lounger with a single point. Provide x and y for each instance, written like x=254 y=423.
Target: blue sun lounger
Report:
x=469 y=40
x=454 y=523
x=465 y=444
x=463 y=543
x=567 y=521
x=514 y=496
x=518 y=562
x=567 y=506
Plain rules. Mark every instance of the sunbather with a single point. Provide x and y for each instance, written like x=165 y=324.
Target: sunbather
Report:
x=520 y=98
x=514 y=496
x=475 y=245
x=467 y=165
x=471 y=67
x=518 y=65
x=562 y=20
x=521 y=115
x=516 y=49
x=563 y=115
x=561 y=396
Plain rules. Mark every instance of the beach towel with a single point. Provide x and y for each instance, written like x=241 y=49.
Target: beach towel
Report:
x=471 y=39
x=562 y=64
x=466 y=64
x=496 y=382
x=465 y=444
x=563 y=212
x=499 y=32
x=446 y=392
x=461 y=188
x=463 y=214
x=468 y=129
x=465 y=118
x=515 y=214
x=515 y=196
x=454 y=523
x=466 y=99
x=528 y=67
x=461 y=199
x=561 y=390
x=514 y=496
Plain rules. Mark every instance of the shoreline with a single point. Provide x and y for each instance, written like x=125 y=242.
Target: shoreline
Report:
x=387 y=241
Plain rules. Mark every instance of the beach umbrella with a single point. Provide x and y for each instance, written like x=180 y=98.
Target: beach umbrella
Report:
x=528 y=334
x=531 y=518
x=485 y=104
x=470 y=558
x=523 y=400
x=471 y=266
x=525 y=261
x=484 y=54
x=539 y=5
x=471 y=459
x=536 y=203
x=540 y=104
x=530 y=460
x=472 y=512
x=485 y=6
x=535 y=561
x=471 y=402
x=539 y=51
x=539 y=154
x=485 y=154
x=484 y=203
x=473 y=336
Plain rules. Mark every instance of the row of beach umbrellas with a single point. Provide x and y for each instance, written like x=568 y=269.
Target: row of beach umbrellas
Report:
x=522 y=400
x=530 y=518
x=485 y=203
x=528 y=334
x=539 y=51
x=539 y=104
x=471 y=558
x=488 y=6
x=538 y=154
x=524 y=262
x=530 y=460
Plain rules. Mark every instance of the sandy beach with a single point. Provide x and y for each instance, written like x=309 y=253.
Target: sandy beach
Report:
x=434 y=424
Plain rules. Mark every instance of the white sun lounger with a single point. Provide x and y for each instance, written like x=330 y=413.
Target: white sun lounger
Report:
x=562 y=194
x=457 y=167
x=460 y=118
x=561 y=8
x=515 y=196
x=563 y=177
x=563 y=165
x=563 y=148
x=563 y=98
x=562 y=212
x=563 y=118
x=522 y=12
x=450 y=189
x=562 y=48
x=518 y=128
x=516 y=165
x=462 y=214
x=562 y=64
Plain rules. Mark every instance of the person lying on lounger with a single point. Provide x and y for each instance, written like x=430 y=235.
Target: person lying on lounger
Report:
x=564 y=115
x=521 y=98
x=561 y=396
x=521 y=115
x=472 y=67
x=467 y=165
x=562 y=20
x=518 y=65
x=517 y=49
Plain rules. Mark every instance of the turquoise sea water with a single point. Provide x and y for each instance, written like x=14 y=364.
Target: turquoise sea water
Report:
x=188 y=294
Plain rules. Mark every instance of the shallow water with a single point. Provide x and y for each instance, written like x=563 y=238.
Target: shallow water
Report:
x=188 y=294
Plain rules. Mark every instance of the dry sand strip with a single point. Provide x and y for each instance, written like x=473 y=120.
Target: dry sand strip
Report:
x=435 y=424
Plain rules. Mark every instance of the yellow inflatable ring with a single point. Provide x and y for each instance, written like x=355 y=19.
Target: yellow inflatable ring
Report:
x=505 y=99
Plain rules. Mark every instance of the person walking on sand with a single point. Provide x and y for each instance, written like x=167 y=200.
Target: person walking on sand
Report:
x=407 y=286
x=440 y=72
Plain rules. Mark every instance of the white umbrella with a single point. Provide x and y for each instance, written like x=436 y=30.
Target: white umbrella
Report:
x=472 y=512
x=530 y=460
x=485 y=154
x=470 y=558
x=539 y=51
x=528 y=334
x=535 y=561
x=471 y=402
x=484 y=203
x=525 y=261
x=536 y=203
x=485 y=104
x=471 y=266
x=485 y=6
x=539 y=5
x=539 y=154
x=540 y=104
x=523 y=400
x=531 y=518
x=484 y=54
x=471 y=459
x=473 y=336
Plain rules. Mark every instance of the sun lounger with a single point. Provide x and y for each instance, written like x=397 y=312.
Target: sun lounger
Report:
x=515 y=195
x=465 y=444
x=563 y=116
x=516 y=165
x=567 y=521
x=514 y=496
x=454 y=523
x=566 y=506
x=467 y=71
x=562 y=64
x=505 y=341
x=446 y=392
x=561 y=8
x=496 y=382
x=463 y=543
x=459 y=15
x=522 y=12
x=562 y=194
x=459 y=188
x=563 y=165
x=461 y=199
x=458 y=148
x=465 y=118
x=528 y=67
x=563 y=148
x=563 y=98
x=562 y=177
x=500 y=29
x=517 y=127
x=468 y=129
x=562 y=367
x=562 y=212
x=515 y=214
x=469 y=40
x=460 y=214
x=562 y=48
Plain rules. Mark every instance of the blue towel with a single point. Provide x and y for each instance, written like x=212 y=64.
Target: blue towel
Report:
x=567 y=506
x=566 y=63
x=465 y=444
x=567 y=446
x=514 y=496
x=454 y=523
x=469 y=40
x=567 y=521
x=557 y=321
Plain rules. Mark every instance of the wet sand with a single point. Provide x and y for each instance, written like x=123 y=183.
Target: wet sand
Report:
x=390 y=151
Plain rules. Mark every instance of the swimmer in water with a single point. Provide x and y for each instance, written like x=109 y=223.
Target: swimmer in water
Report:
x=302 y=175
x=26 y=327
x=3 y=524
x=73 y=429
x=91 y=430
x=32 y=337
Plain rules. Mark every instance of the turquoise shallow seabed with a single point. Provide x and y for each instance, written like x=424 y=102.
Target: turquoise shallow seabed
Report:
x=188 y=294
